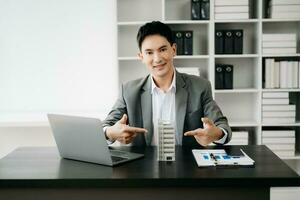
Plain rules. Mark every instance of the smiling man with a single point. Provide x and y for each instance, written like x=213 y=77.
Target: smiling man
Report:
x=165 y=94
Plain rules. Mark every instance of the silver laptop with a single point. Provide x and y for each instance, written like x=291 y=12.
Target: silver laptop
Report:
x=82 y=138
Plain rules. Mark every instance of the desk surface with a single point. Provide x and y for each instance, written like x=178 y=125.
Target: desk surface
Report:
x=43 y=167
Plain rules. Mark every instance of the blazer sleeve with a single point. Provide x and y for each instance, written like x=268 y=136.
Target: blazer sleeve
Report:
x=117 y=110
x=213 y=112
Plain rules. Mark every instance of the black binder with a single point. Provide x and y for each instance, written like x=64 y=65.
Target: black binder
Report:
x=188 y=43
x=195 y=9
x=178 y=37
x=228 y=76
x=204 y=12
x=228 y=42
x=219 y=76
x=238 y=41
x=219 y=42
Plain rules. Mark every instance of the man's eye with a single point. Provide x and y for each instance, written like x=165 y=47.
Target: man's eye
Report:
x=164 y=49
x=148 y=53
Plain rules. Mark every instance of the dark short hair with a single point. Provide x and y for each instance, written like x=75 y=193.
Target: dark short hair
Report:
x=154 y=28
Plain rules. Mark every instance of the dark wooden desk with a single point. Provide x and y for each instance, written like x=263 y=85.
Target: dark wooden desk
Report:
x=39 y=173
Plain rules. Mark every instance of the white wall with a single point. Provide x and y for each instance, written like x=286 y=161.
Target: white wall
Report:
x=55 y=56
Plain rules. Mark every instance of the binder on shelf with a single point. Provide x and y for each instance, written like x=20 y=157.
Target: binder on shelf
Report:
x=195 y=9
x=178 y=37
x=228 y=76
x=204 y=10
x=238 y=41
x=228 y=42
x=219 y=42
x=188 y=43
x=219 y=77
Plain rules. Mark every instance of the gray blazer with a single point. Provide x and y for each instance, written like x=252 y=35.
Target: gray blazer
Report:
x=193 y=100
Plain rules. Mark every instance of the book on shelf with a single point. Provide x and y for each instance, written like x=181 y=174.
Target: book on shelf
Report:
x=228 y=42
x=240 y=134
x=283 y=2
x=232 y=3
x=279 y=114
x=285 y=15
x=298 y=74
x=231 y=9
x=289 y=107
x=238 y=142
x=279 y=37
x=285 y=8
x=279 y=50
x=178 y=37
x=283 y=140
x=283 y=153
x=277 y=75
x=269 y=73
x=283 y=101
x=205 y=9
x=188 y=43
x=189 y=70
x=278 y=120
x=283 y=65
x=278 y=133
x=219 y=42
x=195 y=9
x=275 y=95
x=238 y=41
x=275 y=147
x=270 y=44
x=219 y=77
x=295 y=74
x=226 y=16
x=228 y=76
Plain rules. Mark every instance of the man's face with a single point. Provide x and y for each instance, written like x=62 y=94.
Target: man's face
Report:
x=157 y=54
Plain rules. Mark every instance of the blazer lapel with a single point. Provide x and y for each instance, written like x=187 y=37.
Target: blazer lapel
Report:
x=146 y=107
x=180 y=104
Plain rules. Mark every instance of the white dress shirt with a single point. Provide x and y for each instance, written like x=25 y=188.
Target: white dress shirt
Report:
x=163 y=108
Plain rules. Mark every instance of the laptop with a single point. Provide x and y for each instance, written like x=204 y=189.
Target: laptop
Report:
x=82 y=138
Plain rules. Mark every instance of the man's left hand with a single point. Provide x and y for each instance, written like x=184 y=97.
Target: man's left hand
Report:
x=209 y=133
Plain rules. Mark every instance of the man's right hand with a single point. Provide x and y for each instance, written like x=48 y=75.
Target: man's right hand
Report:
x=122 y=132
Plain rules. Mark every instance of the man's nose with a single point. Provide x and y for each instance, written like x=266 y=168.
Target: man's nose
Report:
x=157 y=58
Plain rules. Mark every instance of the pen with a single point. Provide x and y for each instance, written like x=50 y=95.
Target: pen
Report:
x=213 y=158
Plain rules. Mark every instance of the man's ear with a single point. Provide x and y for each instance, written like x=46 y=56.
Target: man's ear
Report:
x=140 y=56
x=174 y=48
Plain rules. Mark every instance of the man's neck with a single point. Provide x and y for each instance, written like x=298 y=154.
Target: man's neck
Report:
x=164 y=83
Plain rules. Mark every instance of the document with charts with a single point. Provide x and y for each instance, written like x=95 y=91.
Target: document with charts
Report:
x=215 y=157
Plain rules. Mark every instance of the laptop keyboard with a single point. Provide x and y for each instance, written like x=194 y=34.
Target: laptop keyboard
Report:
x=117 y=159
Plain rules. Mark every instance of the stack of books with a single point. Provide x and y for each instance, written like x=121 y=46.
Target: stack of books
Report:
x=287 y=9
x=282 y=73
x=276 y=108
x=281 y=142
x=239 y=138
x=189 y=70
x=279 y=43
x=233 y=9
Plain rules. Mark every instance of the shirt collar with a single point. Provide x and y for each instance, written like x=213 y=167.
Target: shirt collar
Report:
x=172 y=86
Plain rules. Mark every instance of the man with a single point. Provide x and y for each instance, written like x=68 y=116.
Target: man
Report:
x=165 y=94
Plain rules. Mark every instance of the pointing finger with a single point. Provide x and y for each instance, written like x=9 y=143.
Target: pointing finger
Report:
x=197 y=132
x=135 y=129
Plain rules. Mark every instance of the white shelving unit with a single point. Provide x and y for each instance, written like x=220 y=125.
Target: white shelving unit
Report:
x=242 y=105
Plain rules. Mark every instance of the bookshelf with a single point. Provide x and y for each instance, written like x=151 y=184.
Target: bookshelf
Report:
x=243 y=104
